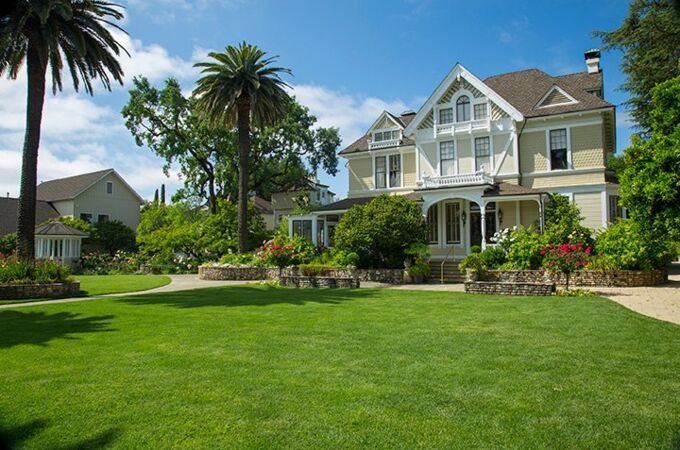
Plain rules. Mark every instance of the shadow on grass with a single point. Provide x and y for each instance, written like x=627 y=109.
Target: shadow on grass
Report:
x=18 y=436
x=38 y=328
x=248 y=296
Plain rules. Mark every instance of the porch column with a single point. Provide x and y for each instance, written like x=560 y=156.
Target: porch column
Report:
x=314 y=230
x=290 y=227
x=482 y=213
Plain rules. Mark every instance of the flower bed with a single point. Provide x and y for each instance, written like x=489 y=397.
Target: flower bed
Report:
x=45 y=290
x=609 y=278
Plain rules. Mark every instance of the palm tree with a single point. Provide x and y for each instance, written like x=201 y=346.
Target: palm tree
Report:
x=241 y=87
x=49 y=33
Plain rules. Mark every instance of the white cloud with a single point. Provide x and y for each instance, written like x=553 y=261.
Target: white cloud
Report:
x=165 y=11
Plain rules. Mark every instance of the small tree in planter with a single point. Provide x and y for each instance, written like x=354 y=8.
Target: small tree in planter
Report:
x=565 y=258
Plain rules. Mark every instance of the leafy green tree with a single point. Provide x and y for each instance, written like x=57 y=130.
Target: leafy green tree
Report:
x=563 y=222
x=625 y=245
x=241 y=88
x=650 y=41
x=114 y=235
x=51 y=33
x=650 y=182
x=381 y=231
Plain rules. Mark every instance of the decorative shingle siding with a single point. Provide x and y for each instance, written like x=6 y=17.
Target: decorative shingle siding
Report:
x=497 y=112
x=428 y=122
x=455 y=87
x=386 y=123
x=532 y=148
x=586 y=146
x=555 y=179
x=409 y=168
x=555 y=97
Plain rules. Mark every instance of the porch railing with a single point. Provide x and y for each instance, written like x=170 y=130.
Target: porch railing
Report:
x=469 y=179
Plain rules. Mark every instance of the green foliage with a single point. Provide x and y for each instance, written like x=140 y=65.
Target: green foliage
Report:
x=16 y=271
x=240 y=260
x=315 y=269
x=114 y=236
x=493 y=257
x=473 y=261
x=282 y=230
x=419 y=270
x=335 y=257
x=563 y=222
x=78 y=224
x=284 y=252
x=475 y=249
x=525 y=251
x=649 y=39
x=8 y=244
x=381 y=231
x=650 y=182
x=625 y=245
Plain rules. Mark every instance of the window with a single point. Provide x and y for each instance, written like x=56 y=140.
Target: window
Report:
x=463 y=108
x=615 y=211
x=482 y=154
x=453 y=223
x=87 y=217
x=302 y=228
x=432 y=225
x=319 y=232
x=558 y=149
x=385 y=135
x=481 y=111
x=446 y=115
x=395 y=170
x=103 y=218
x=447 y=157
x=380 y=171
x=109 y=187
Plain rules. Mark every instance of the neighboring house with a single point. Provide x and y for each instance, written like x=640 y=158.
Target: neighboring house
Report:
x=264 y=209
x=481 y=155
x=93 y=197
x=8 y=214
x=309 y=193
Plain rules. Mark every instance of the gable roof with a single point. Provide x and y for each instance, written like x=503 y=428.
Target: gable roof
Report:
x=524 y=89
x=8 y=214
x=361 y=144
x=58 y=229
x=262 y=206
x=454 y=74
x=70 y=187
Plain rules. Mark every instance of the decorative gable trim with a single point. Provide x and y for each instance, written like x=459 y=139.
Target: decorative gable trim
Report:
x=556 y=96
x=384 y=115
x=457 y=73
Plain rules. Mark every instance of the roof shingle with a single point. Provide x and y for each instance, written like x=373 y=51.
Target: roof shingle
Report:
x=8 y=214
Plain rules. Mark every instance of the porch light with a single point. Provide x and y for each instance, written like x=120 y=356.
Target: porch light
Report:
x=464 y=217
x=500 y=215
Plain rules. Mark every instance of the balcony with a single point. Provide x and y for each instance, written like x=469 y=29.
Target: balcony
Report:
x=468 y=179
x=383 y=144
x=453 y=128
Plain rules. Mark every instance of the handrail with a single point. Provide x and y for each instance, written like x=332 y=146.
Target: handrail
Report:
x=444 y=262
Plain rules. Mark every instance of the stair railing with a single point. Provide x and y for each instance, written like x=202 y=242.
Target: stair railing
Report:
x=451 y=250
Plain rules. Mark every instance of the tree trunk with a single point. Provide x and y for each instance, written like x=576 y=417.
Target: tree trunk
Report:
x=212 y=200
x=243 y=153
x=36 y=69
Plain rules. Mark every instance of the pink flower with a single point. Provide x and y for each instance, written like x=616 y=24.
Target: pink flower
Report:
x=588 y=250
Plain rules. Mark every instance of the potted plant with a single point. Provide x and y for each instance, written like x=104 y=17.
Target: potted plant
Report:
x=418 y=272
x=473 y=267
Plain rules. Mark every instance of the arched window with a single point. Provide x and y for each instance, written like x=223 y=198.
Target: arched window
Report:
x=463 y=108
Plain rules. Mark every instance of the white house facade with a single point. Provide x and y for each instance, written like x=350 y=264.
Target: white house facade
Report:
x=481 y=155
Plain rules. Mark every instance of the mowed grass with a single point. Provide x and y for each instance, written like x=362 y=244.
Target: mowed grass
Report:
x=261 y=367
x=91 y=285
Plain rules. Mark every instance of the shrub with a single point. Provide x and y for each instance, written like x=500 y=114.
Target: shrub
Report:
x=380 y=231
x=565 y=258
x=419 y=270
x=337 y=258
x=240 y=260
x=16 y=271
x=114 y=236
x=314 y=269
x=492 y=257
x=624 y=246
x=475 y=249
x=563 y=222
x=282 y=252
x=504 y=238
x=472 y=261
x=525 y=253
x=8 y=244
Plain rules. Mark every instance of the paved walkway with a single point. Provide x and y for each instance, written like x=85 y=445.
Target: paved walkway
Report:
x=659 y=302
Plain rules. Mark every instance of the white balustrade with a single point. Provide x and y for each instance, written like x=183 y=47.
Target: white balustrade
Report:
x=468 y=179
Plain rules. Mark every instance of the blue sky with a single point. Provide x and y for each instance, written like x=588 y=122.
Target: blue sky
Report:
x=350 y=60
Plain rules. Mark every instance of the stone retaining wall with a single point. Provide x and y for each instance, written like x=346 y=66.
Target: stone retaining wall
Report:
x=51 y=290
x=609 y=278
x=319 y=282
x=505 y=288
x=391 y=276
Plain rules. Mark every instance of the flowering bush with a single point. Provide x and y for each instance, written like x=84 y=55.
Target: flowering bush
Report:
x=504 y=238
x=283 y=252
x=566 y=258
x=125 y=262
x=524 y=251
x=16 y=271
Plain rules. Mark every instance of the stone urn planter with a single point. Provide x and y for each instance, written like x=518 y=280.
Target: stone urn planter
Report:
x=471 y=275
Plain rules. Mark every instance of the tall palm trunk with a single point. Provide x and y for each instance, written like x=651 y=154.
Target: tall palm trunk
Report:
x=243 y=154
x=36 y=63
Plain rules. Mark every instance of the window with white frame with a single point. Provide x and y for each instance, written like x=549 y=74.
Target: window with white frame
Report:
x=481 y=111
x=447 y=158
x=385 y=136
x=446 y=115
x=433 y=225
x=615 y=211
x=463 y=109
x=380 y=172
x=109 y=187
x=453 y=223
x=559 y=153
x=483 y=154
x=103 y=218
x=395 y=170
x=302 y=228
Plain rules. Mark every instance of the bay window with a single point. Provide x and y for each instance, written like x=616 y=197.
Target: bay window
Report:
x=395 y=170
x=380 y=172
x=387 y=171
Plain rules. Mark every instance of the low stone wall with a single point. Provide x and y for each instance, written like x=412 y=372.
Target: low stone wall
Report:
x=504 y=288
x=391 y=276
x=319 y=282
x=609 y=278
x=51 y=290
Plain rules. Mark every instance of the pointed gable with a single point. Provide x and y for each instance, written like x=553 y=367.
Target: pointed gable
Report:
x=457 y=86
x=555 y=97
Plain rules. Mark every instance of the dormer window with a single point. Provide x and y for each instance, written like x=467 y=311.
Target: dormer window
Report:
x=481 y=111
x=385 y=136
x=446 y=115
x=463 y=109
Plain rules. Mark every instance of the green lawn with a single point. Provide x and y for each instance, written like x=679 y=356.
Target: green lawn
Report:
x=260 y=367
x=91 y=285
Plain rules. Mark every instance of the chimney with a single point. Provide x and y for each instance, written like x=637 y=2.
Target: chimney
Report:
x=593 y=60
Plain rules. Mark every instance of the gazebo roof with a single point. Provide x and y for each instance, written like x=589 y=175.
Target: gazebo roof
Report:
x=58 y=229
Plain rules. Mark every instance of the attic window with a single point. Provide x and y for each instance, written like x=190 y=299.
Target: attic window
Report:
x=556 y=96
x=385 y=136
x=109 y=187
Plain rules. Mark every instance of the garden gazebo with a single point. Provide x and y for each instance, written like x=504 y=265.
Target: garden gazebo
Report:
x=57 y=241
